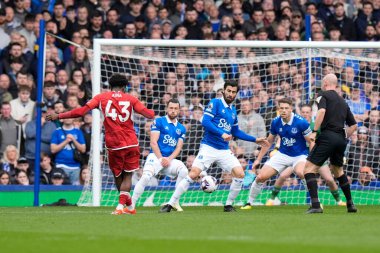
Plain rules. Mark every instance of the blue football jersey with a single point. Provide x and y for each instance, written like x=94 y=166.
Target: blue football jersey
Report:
x=292 y=134
x=224 y=117
x=66 y=155
x=169 y=134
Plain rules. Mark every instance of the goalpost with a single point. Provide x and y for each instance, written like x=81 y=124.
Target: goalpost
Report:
x=194 y=72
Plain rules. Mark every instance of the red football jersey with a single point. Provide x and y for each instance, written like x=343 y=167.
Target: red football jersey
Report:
x=117 y=110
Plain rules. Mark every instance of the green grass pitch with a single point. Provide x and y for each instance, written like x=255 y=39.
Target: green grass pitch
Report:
x=197 y=229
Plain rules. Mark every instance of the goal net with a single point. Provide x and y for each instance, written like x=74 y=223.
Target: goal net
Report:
x=194 y=73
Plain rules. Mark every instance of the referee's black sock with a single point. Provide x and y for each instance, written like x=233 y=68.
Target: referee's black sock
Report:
x=311 y=181
x=345 y=186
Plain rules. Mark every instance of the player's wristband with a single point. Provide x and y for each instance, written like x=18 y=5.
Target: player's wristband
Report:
x=315 y=131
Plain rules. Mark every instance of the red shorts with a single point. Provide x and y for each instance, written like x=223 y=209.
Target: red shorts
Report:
x=126 y=159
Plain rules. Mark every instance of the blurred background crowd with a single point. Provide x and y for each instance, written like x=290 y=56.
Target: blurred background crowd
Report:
x=67 y=83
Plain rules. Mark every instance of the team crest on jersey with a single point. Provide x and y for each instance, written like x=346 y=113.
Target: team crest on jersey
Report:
x=280 y=130
x=223 y=111
x=233 y=116
x=166 y=128
x=209 y=107
x=200 y=157
x=178 y=131
x=294 y=130
x=154 y=123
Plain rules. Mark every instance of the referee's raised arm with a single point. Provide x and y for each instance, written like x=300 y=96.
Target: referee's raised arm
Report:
x=332 y=117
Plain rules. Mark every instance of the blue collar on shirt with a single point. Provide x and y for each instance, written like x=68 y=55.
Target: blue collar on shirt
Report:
x=290 y=121
x=169 y=121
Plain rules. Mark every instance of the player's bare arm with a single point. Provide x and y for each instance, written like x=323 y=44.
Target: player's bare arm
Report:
x=264 y=150
x=154 y=136
x=176 y=151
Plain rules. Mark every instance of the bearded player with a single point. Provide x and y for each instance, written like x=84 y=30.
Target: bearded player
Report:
x=221 y=124
x=166 y=141
x=120 y=136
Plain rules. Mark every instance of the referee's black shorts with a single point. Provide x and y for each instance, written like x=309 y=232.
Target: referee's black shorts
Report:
x=331 y=145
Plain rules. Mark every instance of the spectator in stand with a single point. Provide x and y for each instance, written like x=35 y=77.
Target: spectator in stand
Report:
x=57 y=178
x=79 y=61
x=135 y=10
x=12 y=22
x=373 y=125
x=22 y=106
x=9 y=128
x=9 y=160
x=5 y=178
x=21 y=178
x=112 y=22
x=192 y=25
x=358 y=106
x=47 y=129
x=370 y=33
x=63 y=144
x=85 y=175
x=364 y=18
x=362 y=153
x=28 y=31
x=341 y=21
x=366 y=176
x=326 y=10
x=23 y=165
x=97 y=27
x=256 y=22
x=82 y=20
x=69 y=50
x=49 y=94
x=5 y=95
x=252 y=123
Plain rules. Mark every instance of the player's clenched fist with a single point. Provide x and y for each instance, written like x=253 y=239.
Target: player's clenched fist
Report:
x=227 y=137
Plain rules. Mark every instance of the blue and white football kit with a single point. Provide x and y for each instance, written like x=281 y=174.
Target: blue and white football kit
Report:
x=293 y=148
x=219 y=118
x=170 y=133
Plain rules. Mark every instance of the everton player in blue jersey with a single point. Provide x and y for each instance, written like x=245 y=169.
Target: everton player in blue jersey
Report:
x=220 y=124
x=293 y=131
x=166 y=141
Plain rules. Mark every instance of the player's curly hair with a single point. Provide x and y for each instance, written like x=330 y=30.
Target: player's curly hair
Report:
x=118 y=80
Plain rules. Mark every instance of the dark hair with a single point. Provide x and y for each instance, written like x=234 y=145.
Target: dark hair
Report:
x=49 y=84
x=174 y=101
x=118 y=80
x=3 y=172
x=286 y=101
x=305 y=105
x=232 y=84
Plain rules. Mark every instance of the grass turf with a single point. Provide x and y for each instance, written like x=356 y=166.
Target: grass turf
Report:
x=197 y=229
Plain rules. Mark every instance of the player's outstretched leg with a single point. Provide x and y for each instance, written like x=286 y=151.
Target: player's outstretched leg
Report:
x=182 y=173
x=180 y=189
x=140 y=187
x=265 y=173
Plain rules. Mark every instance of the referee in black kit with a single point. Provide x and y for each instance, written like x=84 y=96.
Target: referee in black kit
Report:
x=333 y=113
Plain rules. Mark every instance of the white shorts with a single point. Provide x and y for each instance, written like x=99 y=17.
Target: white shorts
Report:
x=171 y=171
x=208 y=155
x=281 y=161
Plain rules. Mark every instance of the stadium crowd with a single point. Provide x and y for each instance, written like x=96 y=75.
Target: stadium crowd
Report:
x=67 y=83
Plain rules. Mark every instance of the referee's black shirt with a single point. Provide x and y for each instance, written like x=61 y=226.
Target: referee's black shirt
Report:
x=337 y=112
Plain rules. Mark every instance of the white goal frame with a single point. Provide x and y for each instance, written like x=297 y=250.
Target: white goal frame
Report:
x=96 y=77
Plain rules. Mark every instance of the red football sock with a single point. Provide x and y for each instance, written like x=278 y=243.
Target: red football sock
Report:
x=125 y=198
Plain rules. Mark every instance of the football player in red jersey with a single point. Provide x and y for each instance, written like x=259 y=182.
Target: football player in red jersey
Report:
x=120 y=136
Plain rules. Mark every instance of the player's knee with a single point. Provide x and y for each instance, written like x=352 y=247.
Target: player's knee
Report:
x=260 y=179
x=147 y=174
x=183 y=171
x=194 y=173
